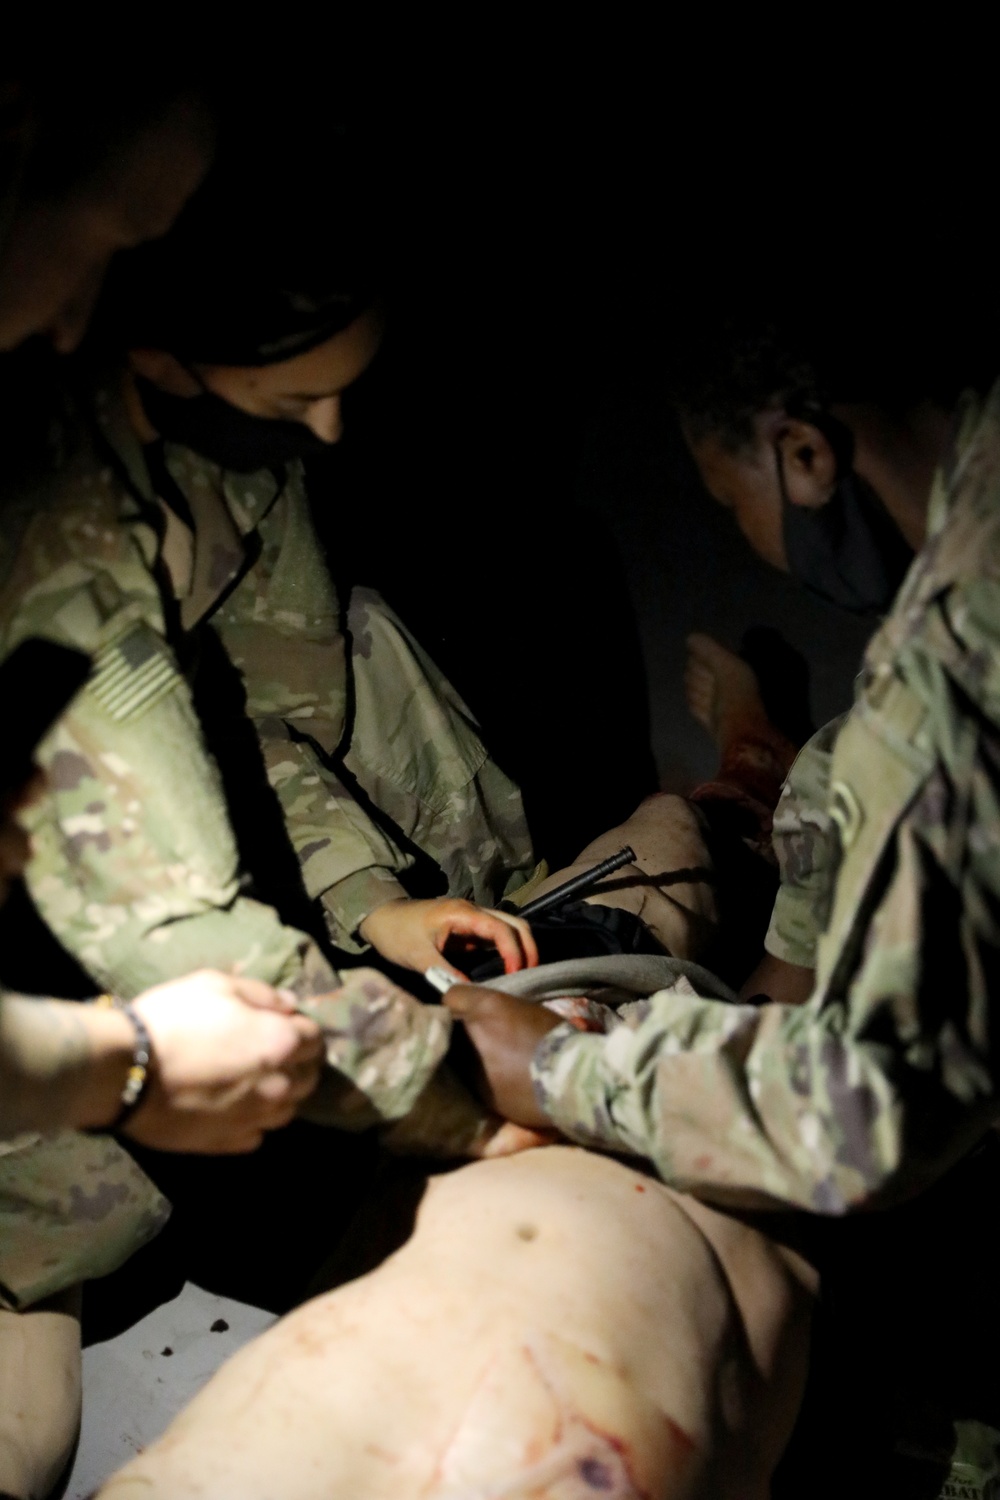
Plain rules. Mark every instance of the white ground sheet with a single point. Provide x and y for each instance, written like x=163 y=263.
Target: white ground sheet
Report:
x=133 y=1387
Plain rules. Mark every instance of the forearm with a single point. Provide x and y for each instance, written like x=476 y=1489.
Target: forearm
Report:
x=129 y=947
x=135 y=865
x=62 y=1065
x=760 y=1106
x=383 y=1049
x=348 y=862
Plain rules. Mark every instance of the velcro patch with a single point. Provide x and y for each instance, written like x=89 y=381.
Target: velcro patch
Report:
x=133 y=674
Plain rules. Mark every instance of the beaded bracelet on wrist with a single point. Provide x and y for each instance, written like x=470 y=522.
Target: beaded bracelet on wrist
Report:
x=139 y=1069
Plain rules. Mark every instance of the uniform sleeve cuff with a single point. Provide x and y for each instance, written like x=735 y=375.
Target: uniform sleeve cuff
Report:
x=346 y=904
x=790 y=951
x=383 y=1047
x=570 y=1075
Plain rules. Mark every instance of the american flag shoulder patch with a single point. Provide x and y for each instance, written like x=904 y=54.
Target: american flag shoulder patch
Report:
x=133 y=674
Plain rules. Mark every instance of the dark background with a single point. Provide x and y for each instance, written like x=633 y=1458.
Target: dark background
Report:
x=555 y=229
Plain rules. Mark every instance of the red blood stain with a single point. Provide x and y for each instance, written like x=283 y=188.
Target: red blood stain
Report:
x=639 y=1188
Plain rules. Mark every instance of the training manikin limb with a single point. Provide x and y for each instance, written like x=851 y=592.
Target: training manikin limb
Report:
x=557 y=1327
x=39 y=1394
x=670 y=888
x=704 y=866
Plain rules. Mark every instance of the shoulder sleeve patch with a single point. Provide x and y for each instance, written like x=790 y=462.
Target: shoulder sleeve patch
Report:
x=132 y=674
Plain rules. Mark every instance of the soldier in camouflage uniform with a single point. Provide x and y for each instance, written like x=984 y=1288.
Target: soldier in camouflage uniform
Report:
x=137 y=867
x=73 y=1205
x=137 y=555
x=153 y=557
x=84 y=567
x=135 y=864
x=889 y=846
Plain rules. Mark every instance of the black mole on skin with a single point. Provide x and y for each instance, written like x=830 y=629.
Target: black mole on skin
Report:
x=595 y=1474
x=167 y=1350
x=527 y=1232
x=219 y=1326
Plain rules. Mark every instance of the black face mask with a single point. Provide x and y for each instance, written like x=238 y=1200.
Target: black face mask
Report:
x=849 y=551
x=224 y=434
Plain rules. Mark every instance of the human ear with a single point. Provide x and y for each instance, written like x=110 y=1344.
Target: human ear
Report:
x=163 y=370
x=808 y=462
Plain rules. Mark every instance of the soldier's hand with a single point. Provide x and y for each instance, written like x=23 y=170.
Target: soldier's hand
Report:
x=231 y=1060
x=505 y=1032
x=414 y=934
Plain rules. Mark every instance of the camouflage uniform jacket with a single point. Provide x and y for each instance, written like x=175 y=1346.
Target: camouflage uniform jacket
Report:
x=135 y=864
x=890 y=1070
x=85 y=563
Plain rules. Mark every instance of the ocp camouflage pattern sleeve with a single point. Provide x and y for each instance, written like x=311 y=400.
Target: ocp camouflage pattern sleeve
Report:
x=368 y=748
x=382 y=1049
x=416 y=754
x=845 y=1102
x=281 y=628
x=337 y=843
x=134 y=864
x=892 y=1069
x=805 y=842
x=72 y=1207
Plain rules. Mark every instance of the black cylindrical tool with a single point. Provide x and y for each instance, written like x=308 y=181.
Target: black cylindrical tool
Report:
x=579 y=885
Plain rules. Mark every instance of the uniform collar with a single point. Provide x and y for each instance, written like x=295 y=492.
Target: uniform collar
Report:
x=220 y=510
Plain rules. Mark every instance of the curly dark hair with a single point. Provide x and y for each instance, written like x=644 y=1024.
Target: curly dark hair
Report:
x=894 y=347
x=732 y=372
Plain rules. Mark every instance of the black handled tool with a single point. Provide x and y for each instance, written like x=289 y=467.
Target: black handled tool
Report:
x=580 y=884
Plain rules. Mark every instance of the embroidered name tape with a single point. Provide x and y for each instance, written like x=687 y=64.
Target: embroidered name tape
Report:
x=133 y=674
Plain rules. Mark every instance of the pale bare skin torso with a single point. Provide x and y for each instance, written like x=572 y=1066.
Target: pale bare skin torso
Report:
x=558 y=1327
